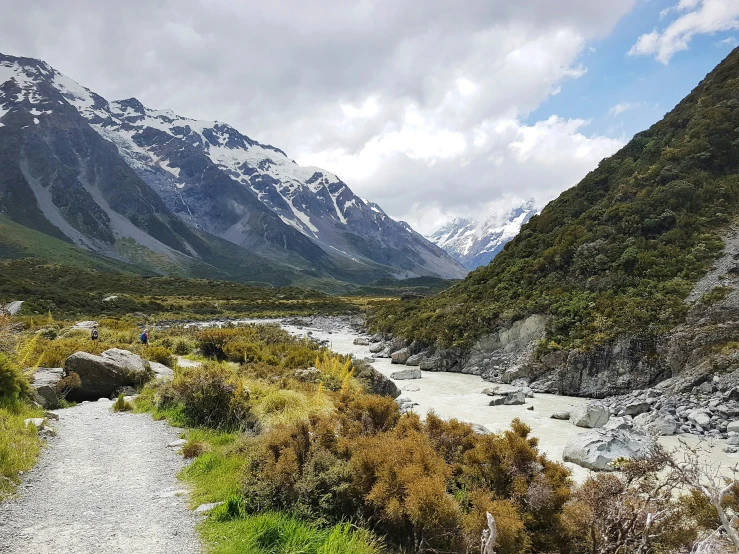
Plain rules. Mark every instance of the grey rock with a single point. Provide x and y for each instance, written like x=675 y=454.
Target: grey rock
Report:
x=480 y=429
x=308 y=375
x=733 y=441
x=530 y=408
x=416 y=359
x=412 y=387
x=637 y=408
x=102 y=375
x=84 y=325
x=413 y=373
x=44 y=386
x=591 y=416
x=161 y=371
x=377 y=348
x=561 y=415
x=373 y=381
x=400 y=356
x=618 y=423
x=361 y=341
x=205 y=508
x=701 y=418
x=730 y=450
x=597 y=450
x=733 y=427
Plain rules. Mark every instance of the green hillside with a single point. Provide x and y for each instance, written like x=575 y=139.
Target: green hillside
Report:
x=616 y=254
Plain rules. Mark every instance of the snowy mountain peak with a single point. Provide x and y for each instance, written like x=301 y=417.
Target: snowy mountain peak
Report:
x=217 y=179
x=474 y=243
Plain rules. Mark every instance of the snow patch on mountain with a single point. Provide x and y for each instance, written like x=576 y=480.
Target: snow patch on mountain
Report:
x=474 y=243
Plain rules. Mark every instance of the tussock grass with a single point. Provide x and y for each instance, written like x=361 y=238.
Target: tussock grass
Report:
x=19 y=445
x=122 y=405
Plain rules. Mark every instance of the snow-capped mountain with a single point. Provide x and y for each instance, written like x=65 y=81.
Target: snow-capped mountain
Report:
x=209 y=176
x=474 y=243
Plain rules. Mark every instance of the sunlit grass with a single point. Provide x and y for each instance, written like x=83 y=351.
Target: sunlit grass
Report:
x=19 y=445
x=278 y=533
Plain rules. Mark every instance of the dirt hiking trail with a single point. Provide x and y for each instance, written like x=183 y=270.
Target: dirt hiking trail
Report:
x=106 y=483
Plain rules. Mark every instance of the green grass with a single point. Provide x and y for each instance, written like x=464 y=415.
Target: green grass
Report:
x=19 y=445
x=278 y=533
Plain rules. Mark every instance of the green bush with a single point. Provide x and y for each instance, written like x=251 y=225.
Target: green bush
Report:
x=209 y=395
x=13 y=384
x=160 y=355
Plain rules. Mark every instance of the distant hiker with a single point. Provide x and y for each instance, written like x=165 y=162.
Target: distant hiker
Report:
x=145 y=337
x=94 y=333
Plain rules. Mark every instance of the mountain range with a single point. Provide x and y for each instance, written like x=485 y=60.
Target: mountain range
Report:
x=475 y=243
x=166 y=194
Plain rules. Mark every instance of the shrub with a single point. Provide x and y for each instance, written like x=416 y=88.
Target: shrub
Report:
x=182 y=347
x=210 y=396
x=65 y=385
x=13 y=384
x=161 y=355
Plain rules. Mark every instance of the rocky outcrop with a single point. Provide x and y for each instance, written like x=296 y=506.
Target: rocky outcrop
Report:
x=102 y=376
x=374 y=381
x=597 y=450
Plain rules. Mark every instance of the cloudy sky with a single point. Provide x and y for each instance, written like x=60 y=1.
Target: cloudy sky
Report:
x=433 y=108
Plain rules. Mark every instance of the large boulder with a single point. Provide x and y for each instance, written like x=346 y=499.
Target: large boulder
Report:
x=511 y=398
x=44 y=385
x=564 y=415
x=374 y=381
x=656 y=424
x=377 y=348
x=361 y=342
x=591 y=416
x=401 y=356
x=700 y=417
x=411 y=373
x=733 y=427
x=597 y=450
x=101 y=376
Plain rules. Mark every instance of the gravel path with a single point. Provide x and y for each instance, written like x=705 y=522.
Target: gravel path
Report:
x=106 y=483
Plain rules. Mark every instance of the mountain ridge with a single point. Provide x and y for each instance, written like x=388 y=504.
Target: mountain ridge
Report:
x=199 y=177
x=475 y=243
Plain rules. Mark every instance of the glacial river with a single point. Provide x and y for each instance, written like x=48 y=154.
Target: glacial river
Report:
x=456 y=395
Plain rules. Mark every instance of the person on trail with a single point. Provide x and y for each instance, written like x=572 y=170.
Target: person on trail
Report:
x=94 y=333
x=145 y=337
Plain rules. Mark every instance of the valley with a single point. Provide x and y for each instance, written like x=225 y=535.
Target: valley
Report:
x=206 y=346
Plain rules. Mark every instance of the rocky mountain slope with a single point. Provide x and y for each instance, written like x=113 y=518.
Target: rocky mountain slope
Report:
x=147 y=186
x=474 y=243
x=627 y=279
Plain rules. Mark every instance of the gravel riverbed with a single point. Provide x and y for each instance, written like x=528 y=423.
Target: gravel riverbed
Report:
x=106 y=483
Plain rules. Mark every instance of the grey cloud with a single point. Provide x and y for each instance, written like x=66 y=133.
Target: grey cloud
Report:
x=280 y=71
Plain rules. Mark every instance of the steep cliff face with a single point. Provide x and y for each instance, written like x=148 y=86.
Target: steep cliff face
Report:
x=633 y=270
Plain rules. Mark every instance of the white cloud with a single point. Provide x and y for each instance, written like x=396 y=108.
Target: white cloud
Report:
x=731 y=42
x=424 y=111
x=698 y=17
x=622 y=107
